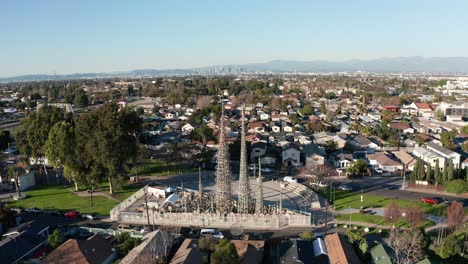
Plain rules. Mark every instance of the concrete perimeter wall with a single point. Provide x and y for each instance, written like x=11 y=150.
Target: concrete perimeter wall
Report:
x=254 y=221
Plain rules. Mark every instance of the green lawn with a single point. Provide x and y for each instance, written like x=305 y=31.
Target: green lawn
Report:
x=378 y=220
x=59 y=198
x=157 y=167
x=343 y=200
x=126 y=190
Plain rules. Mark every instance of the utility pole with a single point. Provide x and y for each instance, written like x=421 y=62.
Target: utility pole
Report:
x=146 y=205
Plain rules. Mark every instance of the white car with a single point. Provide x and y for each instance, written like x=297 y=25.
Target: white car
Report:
x=378 y=170
x=212 y=232
x=33 y=210
x=289 y=179
x=319 y=184
x=88 y=217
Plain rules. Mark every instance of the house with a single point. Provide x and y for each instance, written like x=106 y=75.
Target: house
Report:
x=401 y=127
x=287 y=128
x=149 y=251
x=187 y=128
x=464 y=164
x=365 y=143
x=383 y=161
x=264 y=116
x=339 y=250
x=291 y=155
x=424 y=109
x=446 y=153
x=341 y=160
x=275 y=128
x=94 y=250
x=320 y=251
x=268 y=160
x=429 y=156
x=408 y=160
x=249 y=251
x=259 y=149
x=256 y=127
x=23 y=242
x=314 y=156
x=189 y=252
x=296 y=251
x=380 y=255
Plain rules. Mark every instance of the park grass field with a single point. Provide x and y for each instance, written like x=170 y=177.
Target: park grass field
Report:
x=60 y=198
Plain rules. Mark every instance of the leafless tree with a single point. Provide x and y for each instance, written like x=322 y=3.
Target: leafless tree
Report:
x=414 y=215
x=203 y=101
x=408 y=245
x=455 y=215
x=392 y=212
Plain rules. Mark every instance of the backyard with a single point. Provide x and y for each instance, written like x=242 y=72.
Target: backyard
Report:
x=158 y=167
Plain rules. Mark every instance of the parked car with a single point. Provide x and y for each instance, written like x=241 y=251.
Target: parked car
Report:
x=378 y=170
x=429 y=200
x=345 y=188
x=391 y=187
x=319 y=184
x=33 y=210
x=17 y=209
x=73 y=214
x=289 y=179
x=88 y=216
x=212 y=232
x=266 y=170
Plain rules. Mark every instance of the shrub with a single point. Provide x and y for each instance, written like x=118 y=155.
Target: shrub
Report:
x=456 y=186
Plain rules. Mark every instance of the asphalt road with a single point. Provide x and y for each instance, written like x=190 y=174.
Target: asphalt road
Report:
x=377 y=185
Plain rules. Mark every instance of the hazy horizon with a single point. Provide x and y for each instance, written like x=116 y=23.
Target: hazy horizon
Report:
x=62 y=37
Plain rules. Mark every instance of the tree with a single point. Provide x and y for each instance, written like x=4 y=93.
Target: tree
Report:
x=307 y=235
x=455 y=215
x=450 y=247
x=414 y=215
x=13 y=173
x=307 y=110
x=124 y=243
x=203 y=133
x=80 y=99
x=225 y=253
x=429 y=173
x=448 y=139
x=61 y=151
x=444 y=175
x=437 y=174
x=439 y=115
x=207 y=243
x=32 y=136
x=5 y=139
x=408 y=245
x=107 y=136
x=456 y=186
x=55 y=239
x=421 y=172
x=450 y=171
x=294 y=119
x=323 y=107
x=359 y=166
x=464 y=129
x=392 y=212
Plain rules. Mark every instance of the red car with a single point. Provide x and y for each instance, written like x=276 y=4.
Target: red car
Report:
x=429 y=200
x=73 y=214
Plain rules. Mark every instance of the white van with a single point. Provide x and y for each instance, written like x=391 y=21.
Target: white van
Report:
x=289 y=179
x=211 y=232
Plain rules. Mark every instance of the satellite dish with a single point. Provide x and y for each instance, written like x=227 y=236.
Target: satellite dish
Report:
x=236 y=229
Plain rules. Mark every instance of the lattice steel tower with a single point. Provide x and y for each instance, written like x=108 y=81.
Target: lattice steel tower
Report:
x=223 y=172
x=244 y=189
x=259 y=195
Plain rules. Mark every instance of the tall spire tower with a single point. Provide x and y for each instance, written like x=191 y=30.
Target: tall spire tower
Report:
x=200 y=185
x=259 y=196
x=223 y=171
x=244 y=189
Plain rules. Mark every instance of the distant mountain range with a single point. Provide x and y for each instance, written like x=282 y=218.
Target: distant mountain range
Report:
x=435 y=65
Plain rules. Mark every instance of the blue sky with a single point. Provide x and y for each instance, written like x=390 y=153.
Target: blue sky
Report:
x=69 y=36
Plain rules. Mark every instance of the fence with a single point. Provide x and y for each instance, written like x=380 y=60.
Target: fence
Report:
x=114 y=213
x=257 y=221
